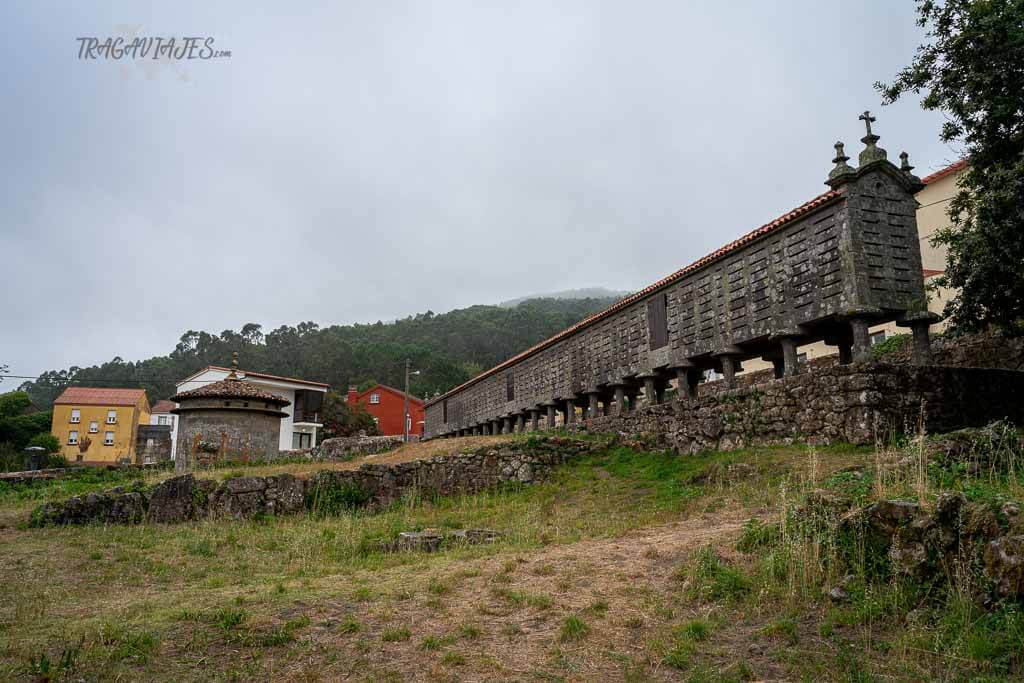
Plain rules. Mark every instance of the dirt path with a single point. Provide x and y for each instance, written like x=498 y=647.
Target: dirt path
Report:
x=500 y=618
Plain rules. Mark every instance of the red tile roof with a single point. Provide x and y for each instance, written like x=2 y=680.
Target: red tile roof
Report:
x=766 y=229
x=163 y=407
x=928 y=272
x=100 y=396
x=939 y=175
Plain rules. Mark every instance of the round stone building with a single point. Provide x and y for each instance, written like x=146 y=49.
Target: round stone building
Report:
x=227 y=420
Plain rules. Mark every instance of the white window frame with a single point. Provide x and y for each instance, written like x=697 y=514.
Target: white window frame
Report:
x=94 y=427
x=76 y=415
x=161 y=419
x=876 y=338
x=112 y=417
x=374 y=399
x=73 y=437
x=108 y=438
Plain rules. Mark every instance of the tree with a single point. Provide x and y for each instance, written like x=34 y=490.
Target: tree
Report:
x=972 y=69
x=341 y=419
x=47 y=441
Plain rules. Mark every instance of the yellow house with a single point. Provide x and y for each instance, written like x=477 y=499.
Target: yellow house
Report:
x=99 y=425
x=933 y=202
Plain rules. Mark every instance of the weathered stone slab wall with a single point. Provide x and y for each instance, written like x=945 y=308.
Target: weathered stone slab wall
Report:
x=373 y=486
x=849 y=255
x=213 y=435
x=347 y=447
x=858 y=403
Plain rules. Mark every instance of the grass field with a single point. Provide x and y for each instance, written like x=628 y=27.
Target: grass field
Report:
x=622 y=566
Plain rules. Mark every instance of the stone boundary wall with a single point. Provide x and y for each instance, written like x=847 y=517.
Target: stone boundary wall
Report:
x=348 y=447
x=371 y=486
x=860 y=404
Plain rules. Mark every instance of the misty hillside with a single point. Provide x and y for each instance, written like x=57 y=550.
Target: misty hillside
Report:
x=447 y=348
x=568 y=294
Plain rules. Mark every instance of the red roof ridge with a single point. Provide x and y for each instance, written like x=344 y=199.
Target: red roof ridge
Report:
x=765 y=229
x=163 y=406
x=940 y=174
x=114 y=396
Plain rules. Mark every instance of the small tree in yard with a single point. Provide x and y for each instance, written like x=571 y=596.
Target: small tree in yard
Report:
x=972 y=69
x=342 y=419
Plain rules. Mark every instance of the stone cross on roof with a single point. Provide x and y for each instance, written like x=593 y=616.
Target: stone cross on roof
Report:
x=868 y=119
x=871 y=152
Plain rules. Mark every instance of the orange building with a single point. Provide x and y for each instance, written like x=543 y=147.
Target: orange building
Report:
x=99 y=425
x=384 y=403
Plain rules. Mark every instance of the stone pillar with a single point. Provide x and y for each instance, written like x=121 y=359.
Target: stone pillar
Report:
x=861 y=340
x=534 y=419
x=551 y=415
x=593 y=404
x=919 y=322
x=620 y=399
x=650 y=391
x=790 y=361
x=687 y=378
x=521 y=423
x=729 y=370
x=570 y=411
x=506 y=425
x=496 y=427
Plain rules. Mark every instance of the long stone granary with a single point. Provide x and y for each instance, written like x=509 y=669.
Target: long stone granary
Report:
x=827 y=270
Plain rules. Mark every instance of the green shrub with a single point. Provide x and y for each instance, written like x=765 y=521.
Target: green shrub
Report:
x=757 y=534
x=891 y=345
x=329 y=497
x=711 y=579
x=573 y=629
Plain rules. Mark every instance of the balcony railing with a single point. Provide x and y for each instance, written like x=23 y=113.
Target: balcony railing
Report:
x=306 y=416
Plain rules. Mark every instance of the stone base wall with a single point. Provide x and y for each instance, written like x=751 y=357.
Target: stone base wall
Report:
x=348 y=447
x=210 y=435
x=485 y=468
x=860 y=403
x=373 y=486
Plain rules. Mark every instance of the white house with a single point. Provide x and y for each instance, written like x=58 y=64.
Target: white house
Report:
x=299 y=429
x=161 y=415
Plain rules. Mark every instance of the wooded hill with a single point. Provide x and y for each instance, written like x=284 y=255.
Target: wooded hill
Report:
x=448 y=349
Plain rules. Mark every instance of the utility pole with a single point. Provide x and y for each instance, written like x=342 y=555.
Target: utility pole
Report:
x=405 y=401
x=405 y=405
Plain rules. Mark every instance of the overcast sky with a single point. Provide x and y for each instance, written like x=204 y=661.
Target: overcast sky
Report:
x=360 y=161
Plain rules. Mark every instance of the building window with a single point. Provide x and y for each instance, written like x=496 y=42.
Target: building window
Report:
x=94 y=426
x=72 y=437
x=877 y=338
x=111 y=417
x=108 y=439
x=302 y=440
x=374 y=399
x=76 y=415
x=801 y=358
x=150 y=443
x=161 y=420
